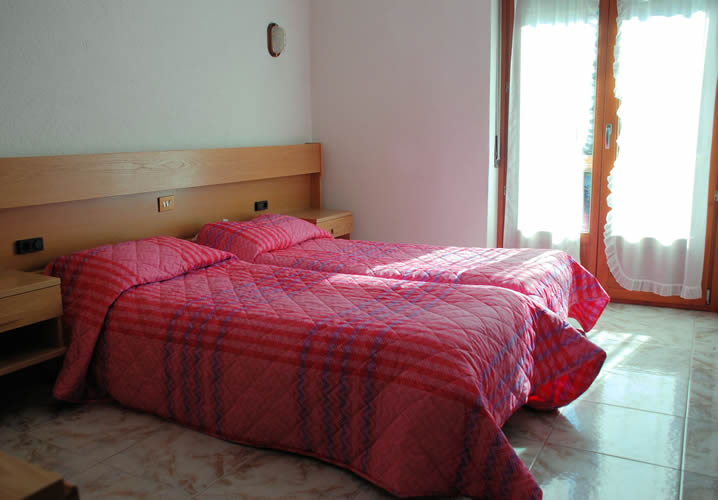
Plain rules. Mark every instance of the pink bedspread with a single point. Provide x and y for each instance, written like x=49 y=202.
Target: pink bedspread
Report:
x=406 y=383
x=550 y=276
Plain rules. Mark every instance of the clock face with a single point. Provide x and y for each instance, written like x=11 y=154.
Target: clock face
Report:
x=276 y=39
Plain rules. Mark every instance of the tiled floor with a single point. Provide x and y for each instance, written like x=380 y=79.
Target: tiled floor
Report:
x=647 y=428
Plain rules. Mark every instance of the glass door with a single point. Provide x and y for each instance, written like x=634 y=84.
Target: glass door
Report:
x=657 y=214
x=650 y=218
x=551 y=117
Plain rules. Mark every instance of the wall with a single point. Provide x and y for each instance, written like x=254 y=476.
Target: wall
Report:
x=400 y=94
x=401 y=102
x=84 y=76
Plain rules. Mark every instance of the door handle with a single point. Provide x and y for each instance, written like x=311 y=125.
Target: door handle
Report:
x=607 y=142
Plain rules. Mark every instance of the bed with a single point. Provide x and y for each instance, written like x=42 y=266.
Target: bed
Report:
x=407 y=383
x=550 y=276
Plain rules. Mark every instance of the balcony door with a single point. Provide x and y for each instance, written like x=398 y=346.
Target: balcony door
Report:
x=606 y=149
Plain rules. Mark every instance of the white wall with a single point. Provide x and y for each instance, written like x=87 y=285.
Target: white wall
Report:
x=401 y=103
x=398 y=92
x=83 y=76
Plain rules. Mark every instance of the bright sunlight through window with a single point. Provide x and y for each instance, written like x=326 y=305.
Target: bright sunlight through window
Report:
x=555 y=122
x=660 y=92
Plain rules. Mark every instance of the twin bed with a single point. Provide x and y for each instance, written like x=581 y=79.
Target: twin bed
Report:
x=550 y=276
x=295 y=341
x=398 y=362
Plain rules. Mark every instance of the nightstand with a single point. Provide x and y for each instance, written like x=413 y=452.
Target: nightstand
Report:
x=337 y=222
x=22 y=481
x=30 y=325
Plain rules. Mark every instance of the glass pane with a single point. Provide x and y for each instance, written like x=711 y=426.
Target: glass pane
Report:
x=557 y=94
x=659 y=80
x=587 y=179
x=588 y=159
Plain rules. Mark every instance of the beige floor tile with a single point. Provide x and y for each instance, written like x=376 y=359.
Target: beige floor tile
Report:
x=706 y=326
x=182 y=457
x=283 y=475
x=15 y=421
x=699 y=487
x=623 y=432
x=642 y=391
x=655 y=325
x=649 y=314
x=703 y=398
x=46 y=455
x=707 y=340
x=636 y=354
x=701 y=454
x=103 y=482
x=526 y=449
x=570 y=474
x=97 y=431
x=706 y=319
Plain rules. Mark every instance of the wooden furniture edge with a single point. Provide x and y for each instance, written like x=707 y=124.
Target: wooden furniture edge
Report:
x=41 y=180
x=23 y=479
x=14 y=282
x=315 y=189
x=29 y=358
x=320 y=214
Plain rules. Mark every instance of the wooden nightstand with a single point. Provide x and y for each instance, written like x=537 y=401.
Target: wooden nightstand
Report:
x=23 y=481
x=30 y=325
x=337 y=222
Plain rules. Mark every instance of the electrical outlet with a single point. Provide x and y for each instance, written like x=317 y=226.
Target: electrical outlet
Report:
x=165 y=203
x=261 y=205
x=29 y=245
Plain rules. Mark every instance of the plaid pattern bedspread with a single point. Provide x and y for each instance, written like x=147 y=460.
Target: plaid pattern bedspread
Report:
x=551 y=276
x=406 y=383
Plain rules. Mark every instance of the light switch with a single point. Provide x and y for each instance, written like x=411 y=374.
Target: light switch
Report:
x=165 y=203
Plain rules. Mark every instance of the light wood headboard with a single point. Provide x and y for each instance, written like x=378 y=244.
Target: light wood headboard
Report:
x=81 y=201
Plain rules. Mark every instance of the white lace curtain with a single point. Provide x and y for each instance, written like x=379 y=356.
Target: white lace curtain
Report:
x=550 y=117
x=665 y=67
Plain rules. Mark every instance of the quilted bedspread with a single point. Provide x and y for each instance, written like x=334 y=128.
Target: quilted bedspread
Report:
x=406 y=383
x=551 y=276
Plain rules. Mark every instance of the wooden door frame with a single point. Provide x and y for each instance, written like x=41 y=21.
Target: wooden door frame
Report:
x=507 y=21
x=589 y=241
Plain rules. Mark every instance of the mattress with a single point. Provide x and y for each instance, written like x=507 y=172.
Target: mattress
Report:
x=552 y=277
x=406 y=383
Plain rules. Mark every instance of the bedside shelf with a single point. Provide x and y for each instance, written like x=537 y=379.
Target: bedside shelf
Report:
x=30 y=345
x=338 y=222
x=30 y=324
x=28 y=357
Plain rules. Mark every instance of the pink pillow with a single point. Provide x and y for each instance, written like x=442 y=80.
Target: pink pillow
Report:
x=263 y=234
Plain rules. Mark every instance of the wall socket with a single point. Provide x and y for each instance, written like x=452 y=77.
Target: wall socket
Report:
x=29 y=245
x=165 y=203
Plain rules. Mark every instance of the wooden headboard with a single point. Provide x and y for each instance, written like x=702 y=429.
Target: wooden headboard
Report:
x=82 y=201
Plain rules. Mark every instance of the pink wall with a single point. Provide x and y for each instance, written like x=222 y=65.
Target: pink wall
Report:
x=401 y=95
